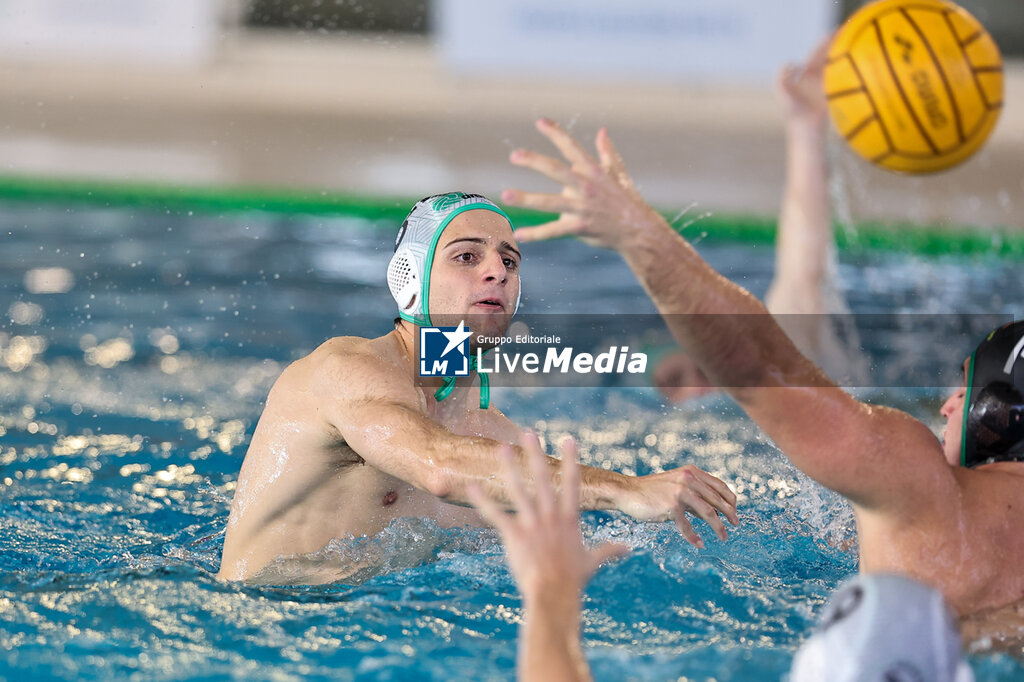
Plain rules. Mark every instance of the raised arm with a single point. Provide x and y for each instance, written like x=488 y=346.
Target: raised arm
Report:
x=382 y=419
x=875 y=456
x=802 y=296
x=805 y=228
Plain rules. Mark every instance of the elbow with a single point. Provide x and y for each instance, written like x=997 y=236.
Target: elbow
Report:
x=439 y=483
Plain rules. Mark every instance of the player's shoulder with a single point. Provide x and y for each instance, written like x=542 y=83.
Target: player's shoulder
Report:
x=996 y=481
x=344 y=347
x=353 y=358
x=339 y=354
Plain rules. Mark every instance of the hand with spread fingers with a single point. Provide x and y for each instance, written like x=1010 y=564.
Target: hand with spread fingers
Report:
x=543 y=539
x=671 y=494
x=598 y=198
x=547 y=557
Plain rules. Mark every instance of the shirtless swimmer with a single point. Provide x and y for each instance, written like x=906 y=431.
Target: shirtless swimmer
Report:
x=944 y=512
x=348 y=441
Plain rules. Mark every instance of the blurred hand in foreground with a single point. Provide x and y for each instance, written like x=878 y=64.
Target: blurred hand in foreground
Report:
x=547 y=557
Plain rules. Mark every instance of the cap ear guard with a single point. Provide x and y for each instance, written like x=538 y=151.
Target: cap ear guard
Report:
x=993 y=421
x=995 y=425
x=404 y=270
x=403 y=279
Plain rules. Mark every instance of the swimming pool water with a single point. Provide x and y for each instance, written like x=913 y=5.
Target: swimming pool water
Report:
x=136 y=348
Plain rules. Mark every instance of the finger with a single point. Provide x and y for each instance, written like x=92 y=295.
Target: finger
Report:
x=701 y=509
x=563 y=227
x=718 y=494
x=551 y=203
x=686 y=528
x=572 y=150
x=729 y=500
x=545 y=165
x=671 y=369
x=491 y=512
x=570 y=474
x=723 y=489
x=605 y=552
x=543 y=491
x=521 y=500
x=611 y=160
x=705 y=502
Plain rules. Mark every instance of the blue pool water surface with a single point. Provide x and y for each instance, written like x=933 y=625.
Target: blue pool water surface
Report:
x=136 y=348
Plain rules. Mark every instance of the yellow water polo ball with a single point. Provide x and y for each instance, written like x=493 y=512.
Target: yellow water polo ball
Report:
x=914 y=86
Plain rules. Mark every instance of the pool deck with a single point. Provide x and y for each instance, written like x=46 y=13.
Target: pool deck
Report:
x=367 y=116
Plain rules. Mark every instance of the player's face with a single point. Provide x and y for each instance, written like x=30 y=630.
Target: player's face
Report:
x=475 y=274
x=953 y=411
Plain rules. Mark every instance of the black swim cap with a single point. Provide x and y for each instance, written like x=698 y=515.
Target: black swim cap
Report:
x=993 y=426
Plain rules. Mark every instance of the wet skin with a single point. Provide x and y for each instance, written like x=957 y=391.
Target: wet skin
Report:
x=918 y=512
x=302 y=484
x=348 y=441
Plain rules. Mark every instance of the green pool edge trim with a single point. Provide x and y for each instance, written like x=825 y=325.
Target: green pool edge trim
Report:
x=931 y=240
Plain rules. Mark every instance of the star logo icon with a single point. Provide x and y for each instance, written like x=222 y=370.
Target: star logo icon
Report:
x=444 y=351
x=456 y=337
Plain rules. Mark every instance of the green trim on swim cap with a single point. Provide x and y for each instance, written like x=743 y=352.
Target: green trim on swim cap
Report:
x=419 y=321
x=407 y=270
x=993 y=429
x=429 y=263
x=413 y=260
x=967 y=409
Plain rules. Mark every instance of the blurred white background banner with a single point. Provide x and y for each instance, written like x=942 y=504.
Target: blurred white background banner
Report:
x=727 y=41
x=158 y=31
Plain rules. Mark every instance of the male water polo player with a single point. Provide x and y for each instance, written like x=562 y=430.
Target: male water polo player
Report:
x=349 y=441
x=876 y=628
x=946 y=513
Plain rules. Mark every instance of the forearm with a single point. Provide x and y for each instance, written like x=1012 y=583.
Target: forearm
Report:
x=464 y=467
x=432 y=458
x=550 y=647
x=725 y=328
x=805 y=218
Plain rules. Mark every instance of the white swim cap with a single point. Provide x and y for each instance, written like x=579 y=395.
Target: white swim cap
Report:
x=409 y=269
x=883 y=628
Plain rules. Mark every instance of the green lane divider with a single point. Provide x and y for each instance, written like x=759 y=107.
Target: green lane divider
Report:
x=388 y=211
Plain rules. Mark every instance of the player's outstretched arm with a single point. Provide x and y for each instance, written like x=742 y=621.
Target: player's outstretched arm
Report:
x=545 y=552
x=844 y=444
x=380 y=418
